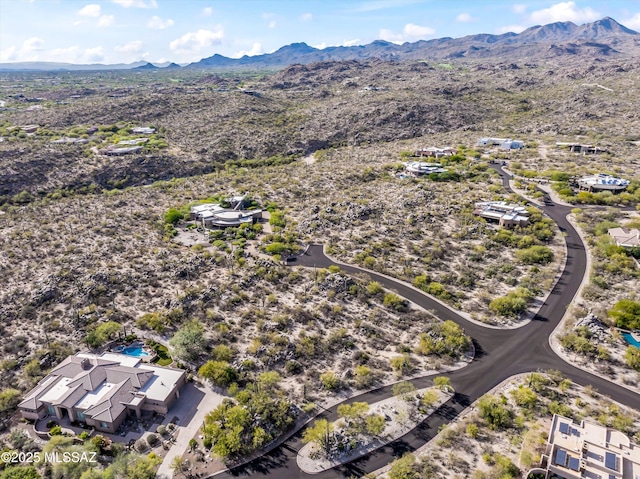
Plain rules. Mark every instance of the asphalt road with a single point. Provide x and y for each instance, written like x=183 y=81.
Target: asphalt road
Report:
x=499 y=355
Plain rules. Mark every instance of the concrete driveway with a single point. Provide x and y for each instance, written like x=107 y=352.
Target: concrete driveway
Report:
x=194 y=404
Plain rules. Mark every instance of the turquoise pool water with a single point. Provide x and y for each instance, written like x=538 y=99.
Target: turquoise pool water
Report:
x=628 y=337
x=136 y=351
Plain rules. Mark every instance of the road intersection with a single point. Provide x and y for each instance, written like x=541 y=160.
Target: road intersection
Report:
x=500 y=354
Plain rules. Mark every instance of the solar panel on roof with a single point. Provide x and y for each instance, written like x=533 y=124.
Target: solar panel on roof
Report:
x=564 y=428
x=561 y=457
x=610 y=461
x=574 y=464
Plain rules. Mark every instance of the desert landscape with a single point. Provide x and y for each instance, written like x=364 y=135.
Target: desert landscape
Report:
x=105 y=247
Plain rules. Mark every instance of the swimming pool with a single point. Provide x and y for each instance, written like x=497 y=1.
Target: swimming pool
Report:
x=628 y=337
x=133 y=350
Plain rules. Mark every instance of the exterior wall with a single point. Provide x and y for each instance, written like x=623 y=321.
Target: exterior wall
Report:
x=33 y=414
x=112 y=427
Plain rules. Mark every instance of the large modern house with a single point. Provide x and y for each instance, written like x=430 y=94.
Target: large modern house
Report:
x=602 y=182
x=214 y=215
x=503 y=143
x=589 y=450
x=102 y=390
x=506 y=214
x=419 y=168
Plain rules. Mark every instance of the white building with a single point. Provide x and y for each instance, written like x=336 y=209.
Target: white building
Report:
x=419 y=168
x=589 y=450
x=603 y=182
x=627 y=238
x=503 y=143
x=143 y=130
x=506 y=214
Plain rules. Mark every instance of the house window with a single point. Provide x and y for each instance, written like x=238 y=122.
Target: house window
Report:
x=51 y=410
x=81 y=416
x=103 y=425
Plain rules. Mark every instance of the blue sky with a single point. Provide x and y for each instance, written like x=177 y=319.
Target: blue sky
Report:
x=114 y=31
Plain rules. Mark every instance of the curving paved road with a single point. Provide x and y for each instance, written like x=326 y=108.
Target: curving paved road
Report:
x=499 y=355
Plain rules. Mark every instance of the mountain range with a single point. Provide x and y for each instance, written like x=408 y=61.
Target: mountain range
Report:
x=605 y=37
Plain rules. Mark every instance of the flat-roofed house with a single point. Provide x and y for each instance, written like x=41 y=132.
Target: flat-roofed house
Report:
x=102 y=390
x=626 y=237
x=508 y=215
x=589 y=450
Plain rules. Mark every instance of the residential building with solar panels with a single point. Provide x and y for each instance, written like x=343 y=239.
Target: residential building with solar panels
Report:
x=589 y=450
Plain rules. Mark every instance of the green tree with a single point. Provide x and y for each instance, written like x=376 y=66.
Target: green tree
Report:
x=525 y=397
x=189 y=342
x=375 y=424
x=9 y=399
x=632 y=357
x=220 y=373
x=472 y=430
x=355 y=414
x=496 y=414
x=429 y=398
x=103 y=333
x=403 y=389
x=330 y=380
x=442 y=382
x=401 y=364
x=320 y=434
x=172 y=216
x=395 y=302
x=626 y=314
x=404 y=468
x=20 y=472
x=180 y=466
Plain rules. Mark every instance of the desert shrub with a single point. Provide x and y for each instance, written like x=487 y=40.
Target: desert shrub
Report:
x=536 y=254
x=496 y=414
x=153 y=440
x=330 y=380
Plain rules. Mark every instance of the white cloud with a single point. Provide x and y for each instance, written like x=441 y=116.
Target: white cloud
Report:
x=136 y=3
x=306 y=17
x=33 y=44
x=633 y=22
x=158 y=23
x=194 y=42
x=105 y=20
x=511 y=28
x=92 y=10
x=410 y=32
x=75 y=54
x=256 y=49
x=271 y=19
x=563 y=12
x=9 y=54
x=519 y=8
x=345 y=43
x=417 y=31
x=134 y=46
x=465 y=18
x=207 y=11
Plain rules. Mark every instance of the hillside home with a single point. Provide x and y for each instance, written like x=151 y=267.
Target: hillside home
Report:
x=579 y=148
x=102 y=390
x=419 y=168
x=589 y=450
x=434 y=152
x=503 y=143
x=143 y=130
x=213 y=215
x=627 y=238
x=508 y=215
x=602 y=182
x=114 y=150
